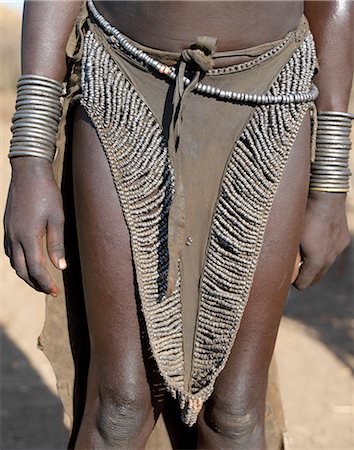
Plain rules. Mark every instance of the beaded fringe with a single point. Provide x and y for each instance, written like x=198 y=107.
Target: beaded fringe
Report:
x=137 y=153
x=138 y=158
x=247 y=191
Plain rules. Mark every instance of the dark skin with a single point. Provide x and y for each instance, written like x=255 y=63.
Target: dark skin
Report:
x=311 y=225
x=173 y=26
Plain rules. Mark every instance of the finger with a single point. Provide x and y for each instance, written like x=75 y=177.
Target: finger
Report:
x=312 y=271
x=7 y=246
x=297 y=265
x=37 y=271
x=55 y=244
x=18 y=262
x=321 y=273
x=309 y=270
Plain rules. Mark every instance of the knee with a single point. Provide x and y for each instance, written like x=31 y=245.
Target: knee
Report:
x=122 y=417
x=233 y=421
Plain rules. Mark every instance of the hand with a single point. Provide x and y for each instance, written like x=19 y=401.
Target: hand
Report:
x=34 y=210
x=325 y=236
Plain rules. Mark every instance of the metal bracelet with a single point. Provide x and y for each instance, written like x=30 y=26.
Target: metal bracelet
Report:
x=32 y=146
x=37 y=107
x=330 y=170
x=33 y=89
x=34 y=99
x=36 y=135
x=36 y=78
x=336 y=183
x=329 y=189
x=36 y=119
x=335 y=114
x=16 y=153
x=35 y=123
x=35 y=141
x=41 y=115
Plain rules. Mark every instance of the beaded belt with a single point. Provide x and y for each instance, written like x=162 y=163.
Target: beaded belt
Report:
x=206 y=47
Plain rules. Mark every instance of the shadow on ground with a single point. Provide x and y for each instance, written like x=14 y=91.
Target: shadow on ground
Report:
x=27 y=424
x=327 y=308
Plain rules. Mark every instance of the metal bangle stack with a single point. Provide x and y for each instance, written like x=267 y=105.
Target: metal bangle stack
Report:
x=330 y=170
x=37 y=116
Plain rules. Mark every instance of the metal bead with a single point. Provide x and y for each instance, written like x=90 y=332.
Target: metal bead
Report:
x=189 y=240
x=228 y=94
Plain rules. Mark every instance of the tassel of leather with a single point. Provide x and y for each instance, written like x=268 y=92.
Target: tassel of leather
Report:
x=201 y=56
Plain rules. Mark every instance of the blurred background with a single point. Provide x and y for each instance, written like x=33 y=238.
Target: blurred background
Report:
x=314 y=348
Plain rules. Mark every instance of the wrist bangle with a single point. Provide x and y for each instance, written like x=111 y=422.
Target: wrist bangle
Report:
x=328 y=189
x=37 y=116
x=330 y=170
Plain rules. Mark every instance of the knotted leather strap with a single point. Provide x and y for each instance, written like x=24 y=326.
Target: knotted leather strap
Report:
x=199 y=55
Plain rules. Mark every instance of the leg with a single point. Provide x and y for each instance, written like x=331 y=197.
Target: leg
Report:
x=233 y=418
x=119 y=409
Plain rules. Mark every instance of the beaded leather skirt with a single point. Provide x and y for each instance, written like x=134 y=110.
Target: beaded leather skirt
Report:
x=196 y=206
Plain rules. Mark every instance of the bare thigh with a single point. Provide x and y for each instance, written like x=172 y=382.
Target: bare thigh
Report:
x=236 y=407
x=119 y=408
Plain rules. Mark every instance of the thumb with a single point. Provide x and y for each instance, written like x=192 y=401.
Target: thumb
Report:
x=55 y=244
x=297 y=266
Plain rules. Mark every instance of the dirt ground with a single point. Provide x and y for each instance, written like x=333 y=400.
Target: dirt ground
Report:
x=314 y=351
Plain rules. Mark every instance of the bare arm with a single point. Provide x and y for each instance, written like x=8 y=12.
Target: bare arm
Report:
x=326 y=232
x=34 y=206
x=45 y=31
x=332 y=24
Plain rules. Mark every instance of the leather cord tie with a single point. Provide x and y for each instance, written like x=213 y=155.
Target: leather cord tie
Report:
x=199 y=55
